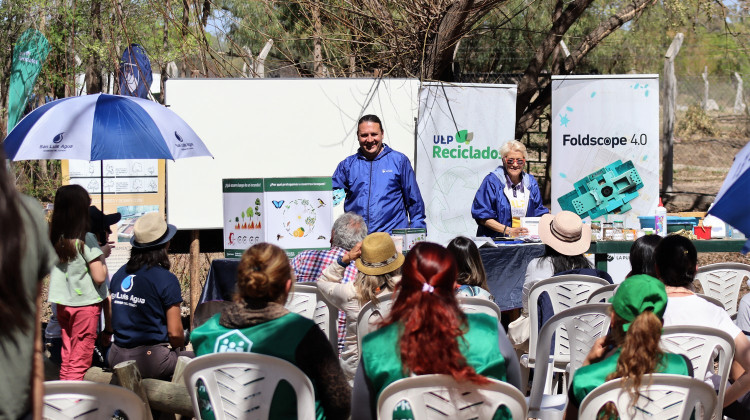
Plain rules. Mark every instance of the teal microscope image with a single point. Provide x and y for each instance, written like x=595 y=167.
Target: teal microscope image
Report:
x=606 y=191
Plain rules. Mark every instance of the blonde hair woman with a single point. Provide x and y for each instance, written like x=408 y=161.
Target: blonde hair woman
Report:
x=379 y=269
x=258 y=322
x=507 y=194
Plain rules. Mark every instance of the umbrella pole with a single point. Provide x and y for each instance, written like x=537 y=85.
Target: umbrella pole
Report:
x=101 y=190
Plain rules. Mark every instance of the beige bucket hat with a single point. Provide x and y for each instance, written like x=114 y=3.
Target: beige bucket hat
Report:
x=150 y=230
x=565 y=233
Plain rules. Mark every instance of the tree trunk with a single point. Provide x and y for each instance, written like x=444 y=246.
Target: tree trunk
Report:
x=70 y=54
x=202 y=19
x=318 y=69
x=163 y=70
x=185 y=32
x=93 y=78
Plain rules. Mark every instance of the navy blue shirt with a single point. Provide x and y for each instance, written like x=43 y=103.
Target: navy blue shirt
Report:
x=139 y=305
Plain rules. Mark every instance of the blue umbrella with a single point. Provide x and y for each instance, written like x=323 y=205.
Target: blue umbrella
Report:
x=101 y=126
x=732 y=204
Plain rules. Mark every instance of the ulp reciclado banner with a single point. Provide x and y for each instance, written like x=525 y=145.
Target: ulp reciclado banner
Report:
x=459 y=133
x=605 y=146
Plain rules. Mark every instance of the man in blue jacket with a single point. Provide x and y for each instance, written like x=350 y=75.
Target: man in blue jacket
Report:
x=379 y=182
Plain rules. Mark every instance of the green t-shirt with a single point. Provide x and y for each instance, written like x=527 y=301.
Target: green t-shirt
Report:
x=591 y=376
x=17 y=349
x=71 y=284
x=278 y=337
x=381 y=358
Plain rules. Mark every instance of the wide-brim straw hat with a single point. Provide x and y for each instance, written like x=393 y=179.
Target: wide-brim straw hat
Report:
x=565 y=233
x=150 y=230
x=379 y=255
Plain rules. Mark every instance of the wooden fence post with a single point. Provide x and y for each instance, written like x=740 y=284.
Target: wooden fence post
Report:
x=669 y=100
x=739 y=100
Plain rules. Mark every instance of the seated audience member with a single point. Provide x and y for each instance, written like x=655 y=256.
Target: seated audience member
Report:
x=348 y=230
x=379 y=269
x=258 y=316
x=566 y=238
x=642 y=255
x=676 y=264
x=146 y=301
x=472 y=280
x=426 y=332
x=631 y=349
x=743 y=314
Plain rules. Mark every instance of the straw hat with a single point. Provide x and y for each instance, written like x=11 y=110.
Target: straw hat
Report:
x=150 y=230
x=565 y=233
x=379 y=255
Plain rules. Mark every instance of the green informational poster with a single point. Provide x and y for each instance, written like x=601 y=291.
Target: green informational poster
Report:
x=293 y=213
x=29 y=54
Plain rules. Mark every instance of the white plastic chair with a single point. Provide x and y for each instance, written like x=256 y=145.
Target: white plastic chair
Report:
x=241 y=385
x=441 y=397
x=602 y=294
x=472 y=305
x=81 y=400
x=661 y=396
x=584 y=325
x=306 y=300
x=371 y=314
x=722 y=281
x=713 y=300
x=566 y=291
x=700 y=345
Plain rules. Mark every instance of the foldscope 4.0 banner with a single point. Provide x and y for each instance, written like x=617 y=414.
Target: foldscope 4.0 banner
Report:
x=605 y=146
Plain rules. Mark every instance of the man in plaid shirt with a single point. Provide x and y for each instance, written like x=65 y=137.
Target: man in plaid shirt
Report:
x=348 y=230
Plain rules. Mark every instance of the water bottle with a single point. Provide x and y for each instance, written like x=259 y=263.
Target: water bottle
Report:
x=660 y=220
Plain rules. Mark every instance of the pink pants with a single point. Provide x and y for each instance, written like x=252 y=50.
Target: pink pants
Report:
x=79 y=327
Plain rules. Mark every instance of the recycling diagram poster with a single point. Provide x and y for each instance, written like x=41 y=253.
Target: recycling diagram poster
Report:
x=605 y=146
x=293 y=213
x=460 y=130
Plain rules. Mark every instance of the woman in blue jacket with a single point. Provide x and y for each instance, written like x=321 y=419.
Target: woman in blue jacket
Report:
x=506 y=195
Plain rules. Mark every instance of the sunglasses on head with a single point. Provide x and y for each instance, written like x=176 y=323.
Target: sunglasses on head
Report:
x=511 y=161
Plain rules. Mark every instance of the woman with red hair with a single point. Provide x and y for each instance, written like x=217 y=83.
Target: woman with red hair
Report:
x=431 y=333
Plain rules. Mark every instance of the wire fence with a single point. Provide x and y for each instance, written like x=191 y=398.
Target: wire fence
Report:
x=712 y=125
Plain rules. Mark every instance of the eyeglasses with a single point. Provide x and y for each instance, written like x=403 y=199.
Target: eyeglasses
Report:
x=511 y=161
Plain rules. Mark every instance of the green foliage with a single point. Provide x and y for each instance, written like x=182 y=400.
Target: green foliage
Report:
x=33 y=180
x=507 y=38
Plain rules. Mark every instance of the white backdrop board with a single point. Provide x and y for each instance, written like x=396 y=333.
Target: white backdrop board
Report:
x=459 y=133
x=261 y=128
x=605 y=146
